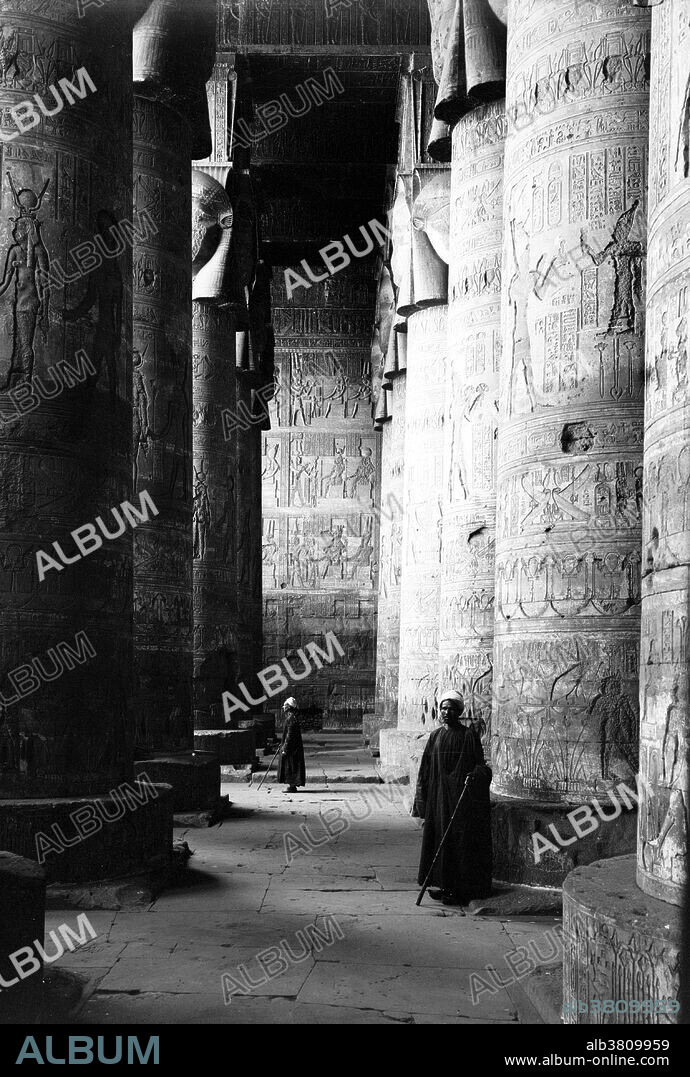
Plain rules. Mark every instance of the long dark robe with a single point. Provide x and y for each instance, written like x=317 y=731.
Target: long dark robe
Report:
x=464 y=865
x=291 y=768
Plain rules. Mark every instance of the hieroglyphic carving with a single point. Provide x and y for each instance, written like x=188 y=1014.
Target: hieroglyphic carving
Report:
x=422 y=517
x=569 y=451
x=471 y=419
x=430 y=237
x=105 y=292
x=390 y=557
x=247 y=546
x=163 y=426
x=214 y=507
x=618 y=944
x=321 y=476
x=664 y=655
x=68 y=460
x=336 y=696
x=381 y=23
x=26 y=266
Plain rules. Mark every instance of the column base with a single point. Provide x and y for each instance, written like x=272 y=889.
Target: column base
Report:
x=110 y=836
x=516 y=860
x=128 y=892
x=194 y=777
x=401 y=753
x=619 y=943
x=230 y=746
x=22 y=915
x=202 y=818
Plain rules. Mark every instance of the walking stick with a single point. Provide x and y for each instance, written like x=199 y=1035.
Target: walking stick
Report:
x=269 y=767
x=422 y=892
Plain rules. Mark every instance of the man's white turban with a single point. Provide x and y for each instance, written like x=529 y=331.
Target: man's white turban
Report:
x=291 y=702
x=453 y=696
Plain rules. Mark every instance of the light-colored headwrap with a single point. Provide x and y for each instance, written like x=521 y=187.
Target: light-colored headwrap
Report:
x=291 y=702
x=451 y=695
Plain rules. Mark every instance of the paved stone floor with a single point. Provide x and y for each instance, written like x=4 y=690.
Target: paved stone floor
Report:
x=263 y=878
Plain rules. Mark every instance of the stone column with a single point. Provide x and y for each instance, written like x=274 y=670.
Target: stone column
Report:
x=569 y=485
x=253 y=341
x=421 y=541
x=65 y=624
x=390 y=519
x=214 y=450
x=216 y=421
x=248 y=534
x=419 y=261
x=663 y=810
x=636 y=934
x=393 y=504
x=170 y=130
x=254 y=389
x=471 y=417
x=22 y=916
x=235 y=742
x=441 y=14
x=426 y=349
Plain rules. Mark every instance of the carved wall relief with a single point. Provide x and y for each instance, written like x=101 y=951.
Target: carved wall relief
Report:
x=321 y=489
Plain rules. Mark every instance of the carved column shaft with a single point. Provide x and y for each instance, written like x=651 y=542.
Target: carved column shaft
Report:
x=215 y=422
x=163 y=426
x=419 y=261
x=215 y=577
x=390 y=520
x=662 y=835
x=172 y=57
x=248 y=537
x=65 y=454
x=474 y=350
x=565 y=720
x=421 y=559
x=254 y=359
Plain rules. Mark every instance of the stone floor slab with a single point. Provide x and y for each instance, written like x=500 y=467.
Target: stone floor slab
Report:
x=437 y=942
x=322 y=882
x=202 y=1009
x=395 y=903
x=390 y=987
x=201 y=969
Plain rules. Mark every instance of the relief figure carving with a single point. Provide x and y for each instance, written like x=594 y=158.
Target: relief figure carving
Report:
x=626 y=255
x=618 y=725
x=27 y=265
x=201 y=513
x=518 y=333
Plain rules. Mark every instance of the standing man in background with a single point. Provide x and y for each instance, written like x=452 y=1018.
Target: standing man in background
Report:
x=291 y=767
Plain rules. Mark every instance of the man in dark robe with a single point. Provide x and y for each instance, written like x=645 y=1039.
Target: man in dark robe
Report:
x=453 y=755
x=291 y=766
